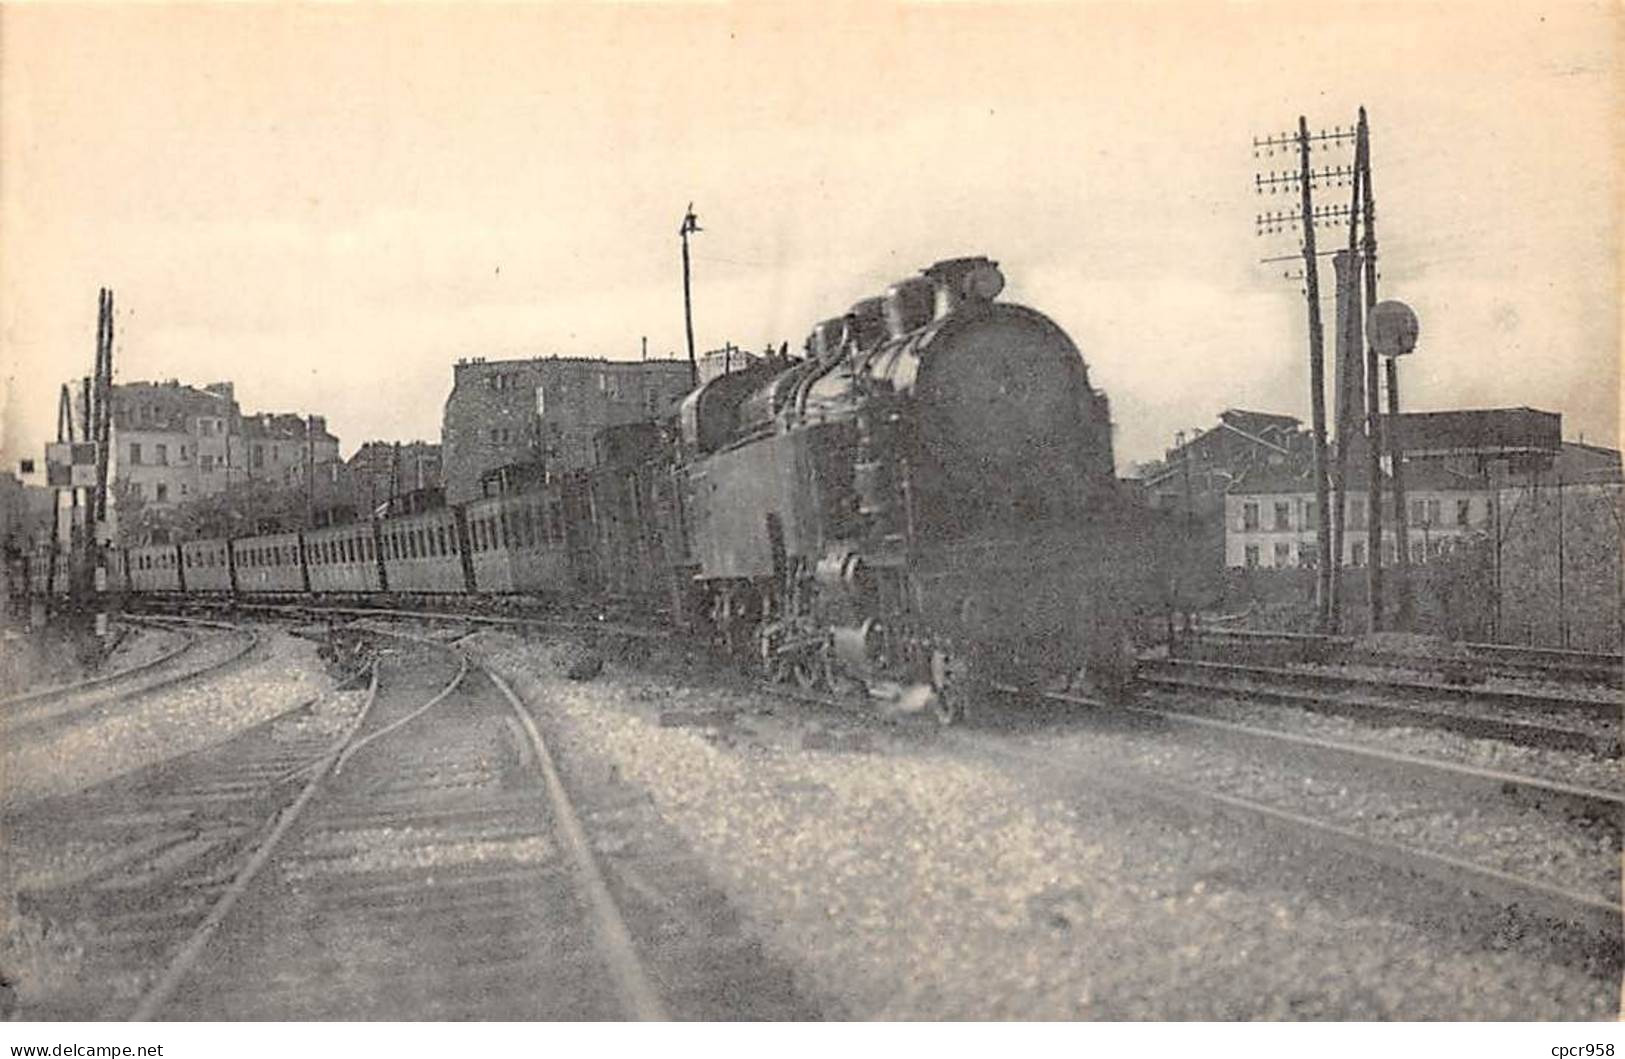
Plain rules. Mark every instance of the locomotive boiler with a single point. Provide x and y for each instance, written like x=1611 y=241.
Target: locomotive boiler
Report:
x=925 y=504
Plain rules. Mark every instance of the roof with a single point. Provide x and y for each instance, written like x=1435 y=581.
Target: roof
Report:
x=285 y=425
x=1257 y=422
x=163 y=405
x=1432 y=475
x=1481 y=431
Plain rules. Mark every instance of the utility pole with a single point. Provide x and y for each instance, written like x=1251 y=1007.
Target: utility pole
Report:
x=691 y=223
x=102 y=434
x=1309 y=217
x=310 y=474
x=1373 y=406
x=1317 y=380
x=1402 y=532
x=64 y=435
x=1348 y=309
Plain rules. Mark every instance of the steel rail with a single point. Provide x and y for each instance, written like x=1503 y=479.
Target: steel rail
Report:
x=1511 y=660
x=187 y=643
x=1527 y=700
x=1523 y=733
x=11 y=723
x=1589 y=801
x=1585 y=910
x=639 y=997
x=186 y=957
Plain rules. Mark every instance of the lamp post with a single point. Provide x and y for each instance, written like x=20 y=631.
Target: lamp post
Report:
x=691 y=223
x=1393 y=330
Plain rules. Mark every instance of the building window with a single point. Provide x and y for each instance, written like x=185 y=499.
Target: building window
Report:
x=1249 y=518
x=1418 y=512
x=1430 y=513
x=1309 y=554
x=1356 y=512
x=1283 y=553
x=206 y=463
x=257 y=460
x=1464 y=511
x=161 y=454
x=1311 y=515
x=1252 y=556
x=1283 y=516
x=163 y=490
x=1358 y=553
x=183 y=453
x=135 y=453
x=1389 y=552
x=1418 y=552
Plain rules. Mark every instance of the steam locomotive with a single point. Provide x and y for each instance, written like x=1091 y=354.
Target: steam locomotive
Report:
x=926 y=503
x=922 y=506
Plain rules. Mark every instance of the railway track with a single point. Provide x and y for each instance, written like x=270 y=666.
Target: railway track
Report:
x=1595 y=911
x=186 y=643
x=427 y=860
x=1473 y=661
x=207 y=649
x=1556 y=722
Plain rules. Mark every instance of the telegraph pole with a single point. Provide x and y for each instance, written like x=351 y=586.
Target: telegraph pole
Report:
x=1309 y=217
x=102 y=426
x=1373 y=393
x=691 y=223
x=1402 y=617
x=1317 y=381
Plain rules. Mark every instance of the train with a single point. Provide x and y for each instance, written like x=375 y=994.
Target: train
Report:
x=921 y=507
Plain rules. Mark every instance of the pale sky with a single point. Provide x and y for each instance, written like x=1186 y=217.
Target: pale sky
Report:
x=329 y=206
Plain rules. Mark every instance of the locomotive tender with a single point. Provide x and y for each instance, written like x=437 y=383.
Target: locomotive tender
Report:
x=924 y=504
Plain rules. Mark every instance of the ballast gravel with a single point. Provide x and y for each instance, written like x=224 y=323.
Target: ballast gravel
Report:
x=164 y=724
x=907 y=880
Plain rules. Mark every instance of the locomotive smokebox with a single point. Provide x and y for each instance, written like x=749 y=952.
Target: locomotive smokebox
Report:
x=959 y=280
